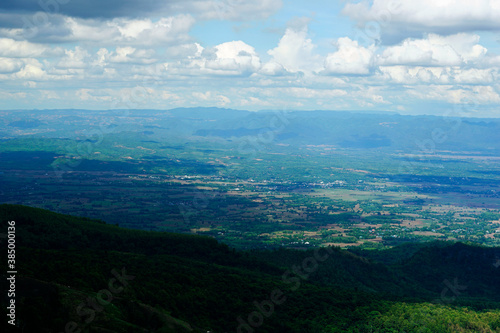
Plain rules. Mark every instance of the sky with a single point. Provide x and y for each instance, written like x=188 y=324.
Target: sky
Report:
x=438 y=57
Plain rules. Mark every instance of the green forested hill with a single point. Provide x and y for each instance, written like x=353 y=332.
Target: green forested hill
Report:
x=81 y=275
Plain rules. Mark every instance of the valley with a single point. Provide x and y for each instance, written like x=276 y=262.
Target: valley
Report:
x=269 y=184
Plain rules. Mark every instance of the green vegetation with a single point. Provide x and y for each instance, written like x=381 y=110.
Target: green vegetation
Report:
x=181 y=283
x=221 y=205
x=190 y=171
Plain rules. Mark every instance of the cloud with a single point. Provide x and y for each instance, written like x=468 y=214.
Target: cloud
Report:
x=30 y=84
x=236 y=55
x=95 y=59
x=238 y=10
x=48 y=94
x=88 y=8
x=230 y=58
x=147 y=32
x=350 y=58
x=302 y=92
x=453 y=59
x=94 y=95
x=129 y=54
x=414 y=74
x=272 y=68
x=31 y=72
x=207 y=9
x=8 y=65
x=14 y=49
x=118 y=31
x=13 y=96
x=485 y=95
x=400 y=19
x=77 y=58
x=295 y=51
x=184 y=51
x=434 y=50
x=220 y=100
x=21 y=70
x=470 y=97
x=286 y=95
x=476 y=76
x=254 y=101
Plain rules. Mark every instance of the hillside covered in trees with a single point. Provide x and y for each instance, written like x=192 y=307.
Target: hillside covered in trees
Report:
x=81 y=275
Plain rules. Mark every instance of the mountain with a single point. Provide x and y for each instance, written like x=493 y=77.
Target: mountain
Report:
x=342 y=129
x=76 y=274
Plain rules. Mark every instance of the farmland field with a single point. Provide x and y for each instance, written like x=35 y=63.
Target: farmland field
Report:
x=280 y=195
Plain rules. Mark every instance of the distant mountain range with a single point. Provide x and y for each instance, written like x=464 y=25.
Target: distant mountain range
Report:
x=354 y=130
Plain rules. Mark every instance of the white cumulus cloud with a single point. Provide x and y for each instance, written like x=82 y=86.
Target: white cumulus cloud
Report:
x=435 y=50
x=230 y=58
x=295 y=51
x=400 y=19
x=350 y=58
x=20 y=49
